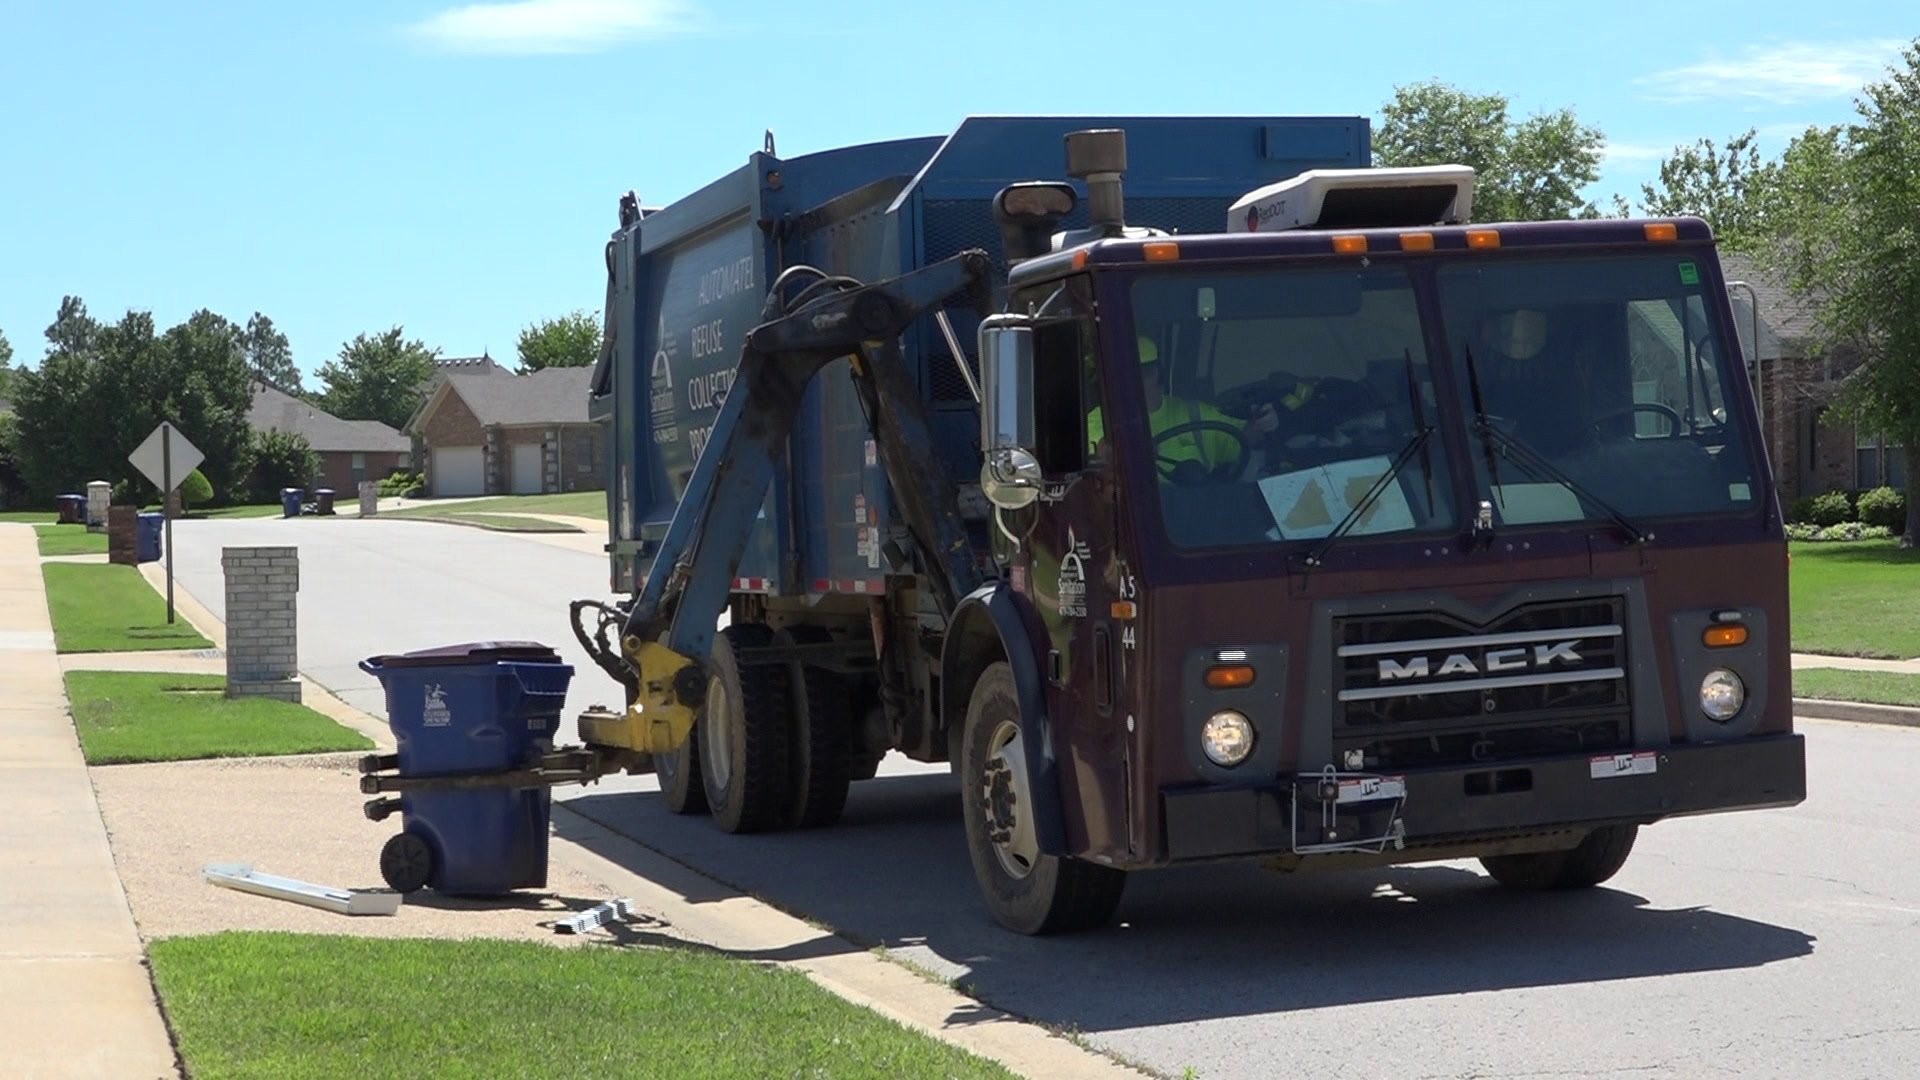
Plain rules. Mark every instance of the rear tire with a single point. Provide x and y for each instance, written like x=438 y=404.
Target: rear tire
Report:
x=743 y=734
x=822 y=746
x=1599 y=857
x=1027 y=892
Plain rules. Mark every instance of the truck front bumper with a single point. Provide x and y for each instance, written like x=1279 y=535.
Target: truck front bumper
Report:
x=1457 y=805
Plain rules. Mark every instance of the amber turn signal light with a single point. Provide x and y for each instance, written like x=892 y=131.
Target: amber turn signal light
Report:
x=1230 y=677
x=1724 y=637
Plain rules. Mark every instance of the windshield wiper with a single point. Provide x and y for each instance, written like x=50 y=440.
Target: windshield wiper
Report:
x=1528 y=456
x=1319 y=553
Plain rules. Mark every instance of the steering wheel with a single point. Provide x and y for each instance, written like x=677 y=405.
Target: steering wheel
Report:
x=1181 y=475
x=1639 y=407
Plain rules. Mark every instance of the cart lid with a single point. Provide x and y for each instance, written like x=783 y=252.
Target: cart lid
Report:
x=472 y=652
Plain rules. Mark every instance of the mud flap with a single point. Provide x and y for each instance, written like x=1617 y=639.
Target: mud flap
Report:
x=1345 y=811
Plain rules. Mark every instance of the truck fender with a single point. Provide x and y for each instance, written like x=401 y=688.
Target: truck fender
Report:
x=990 y=625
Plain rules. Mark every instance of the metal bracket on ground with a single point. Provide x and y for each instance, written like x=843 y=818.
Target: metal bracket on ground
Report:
x=244 y=878
x=599 y=915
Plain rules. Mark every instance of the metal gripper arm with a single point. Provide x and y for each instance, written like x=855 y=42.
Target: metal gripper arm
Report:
x=672 y=620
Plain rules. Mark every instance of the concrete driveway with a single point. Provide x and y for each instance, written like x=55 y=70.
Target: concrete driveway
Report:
x=1781 y=944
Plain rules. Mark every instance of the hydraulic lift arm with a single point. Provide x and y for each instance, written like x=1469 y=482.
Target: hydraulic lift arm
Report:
x=670 y=628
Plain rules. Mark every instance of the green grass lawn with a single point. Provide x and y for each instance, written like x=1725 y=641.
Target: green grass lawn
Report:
x=1858 y=599
x=125 y=717
x=70 y=540
x=588 y=504
x=108 y=608
x=1872 y=687
x=287 y=1006
x=29 y=517
x=497 y=522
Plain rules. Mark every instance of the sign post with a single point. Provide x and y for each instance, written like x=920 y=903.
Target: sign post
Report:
x=163 y=452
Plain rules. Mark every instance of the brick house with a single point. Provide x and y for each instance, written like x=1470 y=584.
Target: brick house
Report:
x=1812 y=448
x=502 y=434
x=350 y=450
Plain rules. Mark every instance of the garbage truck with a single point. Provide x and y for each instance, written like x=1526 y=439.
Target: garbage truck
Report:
x=1196 y=491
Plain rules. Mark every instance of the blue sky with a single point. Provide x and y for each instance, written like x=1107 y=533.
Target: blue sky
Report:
x=455 y=168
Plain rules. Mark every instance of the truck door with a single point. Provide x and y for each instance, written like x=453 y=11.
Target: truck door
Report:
x=1075 y=562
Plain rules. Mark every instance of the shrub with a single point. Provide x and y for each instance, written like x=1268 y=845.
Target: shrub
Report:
x=1803 y=532
x=195 y=489
x=281 y=460
x=1826 y=508
x=1853 y=530
x=1884 y=507
x=399 y=482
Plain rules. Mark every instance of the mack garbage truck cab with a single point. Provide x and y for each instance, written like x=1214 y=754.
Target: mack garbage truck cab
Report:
x=1347 y=531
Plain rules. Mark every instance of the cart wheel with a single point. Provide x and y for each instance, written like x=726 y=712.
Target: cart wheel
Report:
x=406 y=862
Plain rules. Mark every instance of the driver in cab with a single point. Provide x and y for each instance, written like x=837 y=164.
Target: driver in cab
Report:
x=1209 y=448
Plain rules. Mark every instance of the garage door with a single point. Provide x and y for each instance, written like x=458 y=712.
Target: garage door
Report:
x=459 y=470
x=526 y=469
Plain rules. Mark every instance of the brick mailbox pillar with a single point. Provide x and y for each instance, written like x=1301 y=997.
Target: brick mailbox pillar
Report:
x=122 y=541
x=262 y=652
x=369 y=498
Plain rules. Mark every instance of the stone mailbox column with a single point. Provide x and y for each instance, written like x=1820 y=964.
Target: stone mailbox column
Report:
x=262 y=653
x=99 y=497
x=369 y=498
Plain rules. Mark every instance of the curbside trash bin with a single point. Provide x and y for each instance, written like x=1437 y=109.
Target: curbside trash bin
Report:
x=323 y=501
x=147 y=536
x=467 y=710
x=290 y=502
x=73 y=509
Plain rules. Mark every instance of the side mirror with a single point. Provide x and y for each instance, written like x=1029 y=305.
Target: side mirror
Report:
x=1010 y=475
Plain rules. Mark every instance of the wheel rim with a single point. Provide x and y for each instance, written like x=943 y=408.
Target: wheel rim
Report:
x=1006 y=800
x=716 y=741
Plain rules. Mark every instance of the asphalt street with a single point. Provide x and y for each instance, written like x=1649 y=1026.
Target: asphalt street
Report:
x=1782 y=943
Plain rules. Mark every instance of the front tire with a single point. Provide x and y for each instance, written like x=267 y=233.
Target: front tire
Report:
x=679 y=775
x=1599 y=857
x=1028 y=892
x=743 y=735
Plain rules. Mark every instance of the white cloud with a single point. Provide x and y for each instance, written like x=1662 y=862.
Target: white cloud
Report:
x=1617 y=153
x=549 y=26
x=1782 y=74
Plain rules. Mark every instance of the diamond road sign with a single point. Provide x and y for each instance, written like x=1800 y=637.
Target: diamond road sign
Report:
x=166 y=451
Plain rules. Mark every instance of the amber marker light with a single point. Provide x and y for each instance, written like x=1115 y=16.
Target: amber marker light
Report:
x=1230 y=677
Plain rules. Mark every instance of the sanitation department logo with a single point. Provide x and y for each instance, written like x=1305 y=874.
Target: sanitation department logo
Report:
x=435 y=712
x=1253 y=219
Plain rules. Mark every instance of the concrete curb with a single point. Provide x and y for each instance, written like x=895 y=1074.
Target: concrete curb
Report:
x=749 y=929
x=1856 y=711
x=741 y=926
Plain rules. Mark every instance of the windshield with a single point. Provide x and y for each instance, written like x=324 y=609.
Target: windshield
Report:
x=1278 y=399
x=1608 y=368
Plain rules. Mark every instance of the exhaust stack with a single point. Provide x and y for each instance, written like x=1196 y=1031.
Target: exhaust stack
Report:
x=1099 y=157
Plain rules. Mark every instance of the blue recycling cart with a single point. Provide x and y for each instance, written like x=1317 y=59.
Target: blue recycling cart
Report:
x=148 y=528
x=473 y=727
x=290 y=502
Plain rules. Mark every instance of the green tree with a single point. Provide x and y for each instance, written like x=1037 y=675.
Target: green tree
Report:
x=7 y=373
x=103 y=388
x=382 y=378
x=281 y=459
x=572 y=340
x=268 y=354
x=1845 y=236
x=1728 y=186
x=1532 y=170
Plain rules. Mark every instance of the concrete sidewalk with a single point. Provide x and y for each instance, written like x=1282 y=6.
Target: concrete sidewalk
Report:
x=75 y=996
x=1855 y=663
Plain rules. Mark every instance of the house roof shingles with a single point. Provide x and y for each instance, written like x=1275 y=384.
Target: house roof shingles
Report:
x=1786 y=320
x=548 y=396
x=275 y=409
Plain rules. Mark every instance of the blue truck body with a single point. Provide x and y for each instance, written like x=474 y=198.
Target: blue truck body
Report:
x=688 y=280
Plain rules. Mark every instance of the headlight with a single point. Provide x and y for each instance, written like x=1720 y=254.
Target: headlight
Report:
x=1722 y=694
x=1227 y=738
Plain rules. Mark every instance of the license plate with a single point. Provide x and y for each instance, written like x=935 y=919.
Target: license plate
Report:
x=1370 y=788
x=1608 y=766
